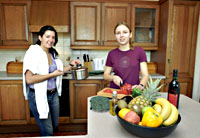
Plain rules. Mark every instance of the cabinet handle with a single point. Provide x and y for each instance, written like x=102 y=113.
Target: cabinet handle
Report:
x=98 y=42
x=169 y=60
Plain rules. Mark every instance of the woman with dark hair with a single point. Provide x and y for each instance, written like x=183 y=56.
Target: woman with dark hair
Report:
x=42 y=80
x=126 y=61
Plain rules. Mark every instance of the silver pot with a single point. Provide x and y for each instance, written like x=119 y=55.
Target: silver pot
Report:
x=79 y=72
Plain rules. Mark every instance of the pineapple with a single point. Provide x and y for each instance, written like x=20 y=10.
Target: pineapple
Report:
x=149 y=94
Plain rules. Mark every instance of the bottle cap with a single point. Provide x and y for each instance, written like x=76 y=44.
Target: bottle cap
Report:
x=175 y=72
x=115 y=92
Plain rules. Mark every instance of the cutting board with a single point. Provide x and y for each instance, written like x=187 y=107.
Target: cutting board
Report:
x=109 y=95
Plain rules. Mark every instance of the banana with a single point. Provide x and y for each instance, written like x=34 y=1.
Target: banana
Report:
x=166 y=107
x=157 y=107
x=173 y=117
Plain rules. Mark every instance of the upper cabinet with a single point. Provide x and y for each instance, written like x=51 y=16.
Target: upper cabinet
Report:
x=92 y=24
x=14 y=16
x=145 y=25
x=54 y=13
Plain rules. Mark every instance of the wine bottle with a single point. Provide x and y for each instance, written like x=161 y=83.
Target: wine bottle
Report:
x=174 y=90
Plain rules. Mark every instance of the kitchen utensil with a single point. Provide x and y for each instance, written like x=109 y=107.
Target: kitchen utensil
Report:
x=79 y=72
x=109 y=95
x=88 y=65
x=147 y=132
x=84 y=58
x=88 y=59
x=98 y=64
x=121 y=84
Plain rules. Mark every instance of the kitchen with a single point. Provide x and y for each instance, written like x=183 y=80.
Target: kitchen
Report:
x=68 y=51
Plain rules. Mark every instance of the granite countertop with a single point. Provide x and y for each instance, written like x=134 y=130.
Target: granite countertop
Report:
x=7 y=76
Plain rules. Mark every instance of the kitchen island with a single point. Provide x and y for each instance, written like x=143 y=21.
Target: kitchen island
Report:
x=104 y=125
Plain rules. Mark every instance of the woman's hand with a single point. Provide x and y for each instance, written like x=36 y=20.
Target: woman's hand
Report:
x=57 y=73
x=141 y=87
x=75 y=62
x=117 y=80
x=71 y=64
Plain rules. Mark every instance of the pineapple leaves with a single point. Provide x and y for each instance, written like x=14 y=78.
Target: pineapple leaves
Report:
x=151 y=90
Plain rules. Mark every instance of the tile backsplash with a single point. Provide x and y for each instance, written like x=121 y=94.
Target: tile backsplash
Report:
x=63 y=48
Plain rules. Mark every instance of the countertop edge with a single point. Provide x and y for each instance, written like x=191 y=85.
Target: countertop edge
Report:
x=8 y=76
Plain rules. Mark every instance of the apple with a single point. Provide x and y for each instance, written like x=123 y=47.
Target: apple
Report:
x=145 y=108
x=132 y=117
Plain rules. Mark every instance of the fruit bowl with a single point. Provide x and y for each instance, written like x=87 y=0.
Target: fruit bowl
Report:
x=147 y=132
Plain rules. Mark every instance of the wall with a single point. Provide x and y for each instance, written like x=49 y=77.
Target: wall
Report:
x=196 y=81
x=63 y=48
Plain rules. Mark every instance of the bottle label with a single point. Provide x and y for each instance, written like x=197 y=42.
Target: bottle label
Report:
x=173 y=98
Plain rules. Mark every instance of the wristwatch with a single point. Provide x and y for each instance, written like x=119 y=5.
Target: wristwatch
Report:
x=141 y=85
x=71 y=65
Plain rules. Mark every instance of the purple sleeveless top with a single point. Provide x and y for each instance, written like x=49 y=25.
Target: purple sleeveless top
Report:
x=126 y=64
x=51 y=83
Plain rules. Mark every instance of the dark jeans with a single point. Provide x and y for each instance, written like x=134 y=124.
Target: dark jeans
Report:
x=49 y=125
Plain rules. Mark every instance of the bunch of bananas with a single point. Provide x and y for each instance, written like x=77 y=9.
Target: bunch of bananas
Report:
x=167 y=110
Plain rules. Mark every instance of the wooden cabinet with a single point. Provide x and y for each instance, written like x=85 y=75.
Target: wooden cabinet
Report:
x=92 y=24
x=13 y=107
x=79 y=91
x=54 y=13
x=145 y=25
x=185 y=86
x=177 y=42
x=14 y=23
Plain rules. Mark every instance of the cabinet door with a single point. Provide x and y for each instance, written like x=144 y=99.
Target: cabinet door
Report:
x=15 y=20
x=13 y=107
x=145 y=24
x=105 y=84
x=183 y=43
x=85 y=23
x=79 y=92
x=185 y=86
x=60 y=15
x=112 y=13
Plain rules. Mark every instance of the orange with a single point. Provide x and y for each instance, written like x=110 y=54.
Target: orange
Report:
x=123 y=112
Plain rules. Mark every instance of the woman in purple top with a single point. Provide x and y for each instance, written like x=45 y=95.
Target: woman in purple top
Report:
x=126 y=62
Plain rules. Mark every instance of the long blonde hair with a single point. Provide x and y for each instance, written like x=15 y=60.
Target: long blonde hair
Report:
x=125 y=24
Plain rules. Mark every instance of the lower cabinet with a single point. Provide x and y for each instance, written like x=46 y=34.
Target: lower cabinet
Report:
x=79 y=91
x=13 y=107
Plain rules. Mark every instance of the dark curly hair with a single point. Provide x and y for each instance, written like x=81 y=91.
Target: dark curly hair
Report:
x=41 y=33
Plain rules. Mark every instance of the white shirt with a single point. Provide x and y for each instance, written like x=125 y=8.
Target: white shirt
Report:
x=36 y=61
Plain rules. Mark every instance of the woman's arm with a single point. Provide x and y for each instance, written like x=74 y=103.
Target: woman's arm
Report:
x=144 y=73
x=72 y=63
x=107 y=76
x=35 y=78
